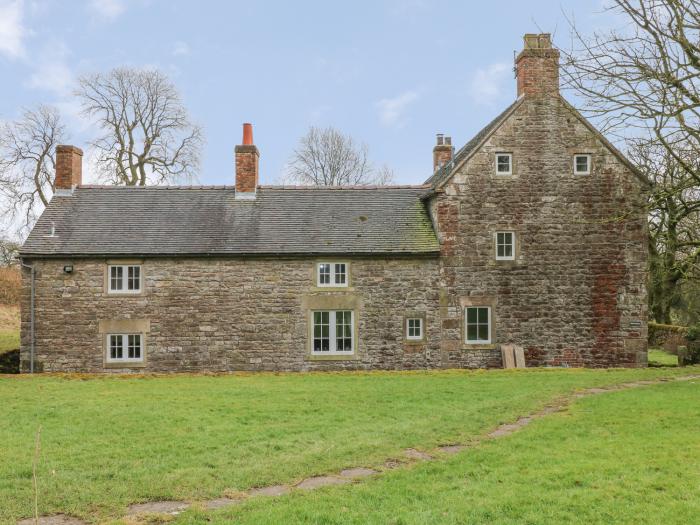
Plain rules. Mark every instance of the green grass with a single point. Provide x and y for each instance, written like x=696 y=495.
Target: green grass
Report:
x=9 y=328
x=658 y=357
x=628 y=457
x=9 y=340
x=107 y=442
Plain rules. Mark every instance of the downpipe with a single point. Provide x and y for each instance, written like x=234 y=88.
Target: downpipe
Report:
x=31 y=317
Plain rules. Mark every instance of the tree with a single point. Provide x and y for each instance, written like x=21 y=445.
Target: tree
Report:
x=147 y=134
x=27 y=164
x=9 y=252
x=327 y=157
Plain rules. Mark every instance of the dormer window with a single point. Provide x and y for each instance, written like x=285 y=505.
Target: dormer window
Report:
x=124 y=279
x=504 y=163
x=582 y=164
x=332 y=274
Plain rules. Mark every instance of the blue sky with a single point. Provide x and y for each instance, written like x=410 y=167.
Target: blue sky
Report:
x=390 y=73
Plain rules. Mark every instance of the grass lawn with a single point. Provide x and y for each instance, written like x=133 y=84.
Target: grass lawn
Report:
x=9 y=328
x=107 y=442
x=626 y=457
x=658 y=357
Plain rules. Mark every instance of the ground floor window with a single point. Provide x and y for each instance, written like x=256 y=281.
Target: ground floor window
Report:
x=414 y=328
x=477 y=324
x=124 y=348
x=333 y=332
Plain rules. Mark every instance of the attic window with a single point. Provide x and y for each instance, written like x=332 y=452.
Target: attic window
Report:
x=332 y=274
x=504 y=163
x=582 y=164
x=124 y=279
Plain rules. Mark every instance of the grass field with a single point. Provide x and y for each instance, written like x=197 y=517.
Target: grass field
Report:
x=107 y=442
x=658 y=357
x=9 y=328
x=626 y=457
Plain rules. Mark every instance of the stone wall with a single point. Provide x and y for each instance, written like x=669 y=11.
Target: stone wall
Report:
x=575 y=294
x=230 y=314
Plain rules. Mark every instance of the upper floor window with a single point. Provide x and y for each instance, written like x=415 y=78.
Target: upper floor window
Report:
x=505 y=246
x=582 y=164
x=414 y=328
x=332 y=274
x=125 y=279
x=504 y=163
x=333 y=332
x=477 y=324
x=124 y=348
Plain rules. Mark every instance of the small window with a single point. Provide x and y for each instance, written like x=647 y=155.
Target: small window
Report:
x=504 y=163
x=125 y=279
x=333 y=332
x=477 y=324
x=505 y=246
x=124 y=348
x=332 y=274
x=582 y=164
x=414 y=328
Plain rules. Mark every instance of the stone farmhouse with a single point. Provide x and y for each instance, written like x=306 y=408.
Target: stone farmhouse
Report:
x=531 y=236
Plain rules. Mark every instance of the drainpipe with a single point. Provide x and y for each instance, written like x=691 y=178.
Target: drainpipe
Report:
x=31 y=319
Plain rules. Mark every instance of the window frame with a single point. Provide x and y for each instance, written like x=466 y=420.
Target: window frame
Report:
x=589 y=163
x=332 y=333
x=510 y=164
x=489 y=325
x=512 y=245
x=407 y=329
x=124 y=279
x=333 y=273
x=125 y=359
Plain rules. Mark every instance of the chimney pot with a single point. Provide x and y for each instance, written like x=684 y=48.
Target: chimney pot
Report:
x=69 y=168
x=247 y=157
x=247 y=134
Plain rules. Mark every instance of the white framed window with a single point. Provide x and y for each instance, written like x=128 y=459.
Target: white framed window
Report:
x=504 y=163
x=582 y=164
x=333 y=332
x=332 y=274
x=124 y=278
x=477 y=325
x=414 y=328
x=124 y=348
x=505 y=246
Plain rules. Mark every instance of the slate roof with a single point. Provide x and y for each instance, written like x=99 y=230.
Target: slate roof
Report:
x=443 y=173
x=160 y=221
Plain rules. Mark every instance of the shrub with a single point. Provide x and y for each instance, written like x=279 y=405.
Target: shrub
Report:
x=10 y=284
x=667 y=336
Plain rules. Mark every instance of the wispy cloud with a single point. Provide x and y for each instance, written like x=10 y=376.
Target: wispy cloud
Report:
x=392 y=110
x=107 y=9
x=51 y=72
x=181 y=49
x=12 y=32
x=487 y=84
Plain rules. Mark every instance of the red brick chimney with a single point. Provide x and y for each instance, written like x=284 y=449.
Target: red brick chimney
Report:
x=442 y=152
x=69 y=168
x=247 y=156
x=537 y=66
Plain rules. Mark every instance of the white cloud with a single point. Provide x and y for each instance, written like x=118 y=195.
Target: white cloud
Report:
x=181 y=49
x=51 y=71
x=392 y=110
x=487 y=85
x=12 y=32
x=107 y=9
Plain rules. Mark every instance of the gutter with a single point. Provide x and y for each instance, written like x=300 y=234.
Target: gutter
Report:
x=31 y=317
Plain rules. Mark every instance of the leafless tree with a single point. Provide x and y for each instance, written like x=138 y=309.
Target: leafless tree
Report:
x=148 y=137
x=27 y=164
x=327 y=157
x=9 y=251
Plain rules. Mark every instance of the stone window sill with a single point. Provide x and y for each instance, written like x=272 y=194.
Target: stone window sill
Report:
x=479 y=347
x=335 y=357
x=125 y=365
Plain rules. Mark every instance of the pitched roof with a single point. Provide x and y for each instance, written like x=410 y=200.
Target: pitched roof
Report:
x=155 y=221
x=437 y=178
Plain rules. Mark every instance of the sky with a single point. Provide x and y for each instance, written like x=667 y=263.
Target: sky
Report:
x=389 y=73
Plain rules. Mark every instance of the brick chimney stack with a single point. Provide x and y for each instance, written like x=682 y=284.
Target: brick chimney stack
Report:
x=69 y=169
x=537 y=66
x=442 y=152
x=247 y=157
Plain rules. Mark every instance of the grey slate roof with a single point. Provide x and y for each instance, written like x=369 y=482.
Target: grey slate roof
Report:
x=155 y=221
x=443 y=173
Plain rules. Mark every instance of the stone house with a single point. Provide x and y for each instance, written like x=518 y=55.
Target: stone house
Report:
x=532 y=234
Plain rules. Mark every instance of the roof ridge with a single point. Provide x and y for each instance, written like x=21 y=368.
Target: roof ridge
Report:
x=262 y=186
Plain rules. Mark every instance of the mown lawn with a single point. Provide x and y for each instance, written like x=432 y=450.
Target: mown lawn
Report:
x=107 y=442
x=658 y=357
x=628 y=457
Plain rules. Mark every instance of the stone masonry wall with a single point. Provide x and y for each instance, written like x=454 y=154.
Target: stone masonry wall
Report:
x=231 y=314
x=575 y=295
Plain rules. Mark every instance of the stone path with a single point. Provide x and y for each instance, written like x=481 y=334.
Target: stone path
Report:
x=164 y=509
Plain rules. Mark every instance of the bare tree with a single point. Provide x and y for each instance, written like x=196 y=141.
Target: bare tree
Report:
x=147 y=134
x=27 y=164
x=327 y=157
x=9 y=252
